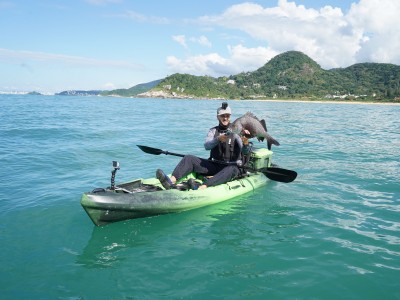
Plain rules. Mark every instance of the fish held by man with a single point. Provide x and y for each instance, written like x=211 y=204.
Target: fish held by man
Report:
x=256 y=128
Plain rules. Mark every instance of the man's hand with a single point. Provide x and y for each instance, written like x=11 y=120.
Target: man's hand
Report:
x=222 y=138
x=244 y=135
x=245 y=132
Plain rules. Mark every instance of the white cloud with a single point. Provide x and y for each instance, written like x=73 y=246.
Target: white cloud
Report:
x=378 y=21
x=202 y=40
x=21 y=57
x=103 y=2
x=249 y=59
x=369 y=31
x=109 y=86
x=318 y=33
x=180 y=39
x=211 y=64
x=241 y=59
x=137 y=17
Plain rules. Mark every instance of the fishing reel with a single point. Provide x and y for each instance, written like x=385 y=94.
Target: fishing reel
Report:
x=228 y=132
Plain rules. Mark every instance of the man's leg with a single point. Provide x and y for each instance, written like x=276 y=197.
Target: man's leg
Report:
x=191 y=163
x=226 y=174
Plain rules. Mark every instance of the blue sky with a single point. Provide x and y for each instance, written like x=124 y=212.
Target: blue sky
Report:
x=56 y=45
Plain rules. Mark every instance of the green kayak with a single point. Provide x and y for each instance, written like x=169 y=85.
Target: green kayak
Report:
x=146 y=197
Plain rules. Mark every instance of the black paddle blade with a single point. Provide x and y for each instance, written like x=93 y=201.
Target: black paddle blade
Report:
x=156 y=151
x=279 y=174
x=150 y=150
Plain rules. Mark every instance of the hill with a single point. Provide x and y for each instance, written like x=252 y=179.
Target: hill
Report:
x=290 y=75
x=79 y=93
x=133 y=91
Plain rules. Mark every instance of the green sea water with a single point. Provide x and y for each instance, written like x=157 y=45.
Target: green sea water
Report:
x=334 y=233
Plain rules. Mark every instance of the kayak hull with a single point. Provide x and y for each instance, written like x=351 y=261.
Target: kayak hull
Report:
x=146 y=197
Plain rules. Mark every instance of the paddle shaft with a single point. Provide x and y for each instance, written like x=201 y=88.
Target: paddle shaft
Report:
x=174 y=154
x=276 y=174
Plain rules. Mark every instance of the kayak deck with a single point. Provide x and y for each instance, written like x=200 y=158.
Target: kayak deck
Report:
x=146 y=197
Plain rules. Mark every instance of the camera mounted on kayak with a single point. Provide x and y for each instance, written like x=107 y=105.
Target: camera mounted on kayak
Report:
x=113 y=172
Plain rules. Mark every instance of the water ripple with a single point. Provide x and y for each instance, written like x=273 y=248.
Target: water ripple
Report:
x=337 y=223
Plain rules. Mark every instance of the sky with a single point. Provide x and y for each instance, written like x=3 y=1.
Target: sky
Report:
x=56 y=45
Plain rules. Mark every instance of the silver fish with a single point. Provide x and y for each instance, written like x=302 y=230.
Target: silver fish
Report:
x=256 y=127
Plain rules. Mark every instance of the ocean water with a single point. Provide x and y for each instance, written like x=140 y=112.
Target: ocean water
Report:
x=334 y=233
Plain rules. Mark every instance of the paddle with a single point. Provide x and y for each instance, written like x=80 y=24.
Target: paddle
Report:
x=273 y=173
x=156 y=151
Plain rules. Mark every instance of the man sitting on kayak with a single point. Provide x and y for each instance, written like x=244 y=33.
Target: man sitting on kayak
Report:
x=224 y=145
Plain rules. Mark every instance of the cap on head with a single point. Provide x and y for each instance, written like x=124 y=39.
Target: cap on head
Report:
x=224 y=109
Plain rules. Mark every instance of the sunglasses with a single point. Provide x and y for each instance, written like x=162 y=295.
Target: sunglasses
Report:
x=225 y=116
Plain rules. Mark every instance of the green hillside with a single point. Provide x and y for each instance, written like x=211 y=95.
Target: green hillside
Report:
x=291 y=75
x=133 y=91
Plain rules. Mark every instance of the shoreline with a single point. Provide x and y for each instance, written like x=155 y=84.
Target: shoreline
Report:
x=170 y=97
x=273 y=100
x=166 y=95
x=323 y=101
